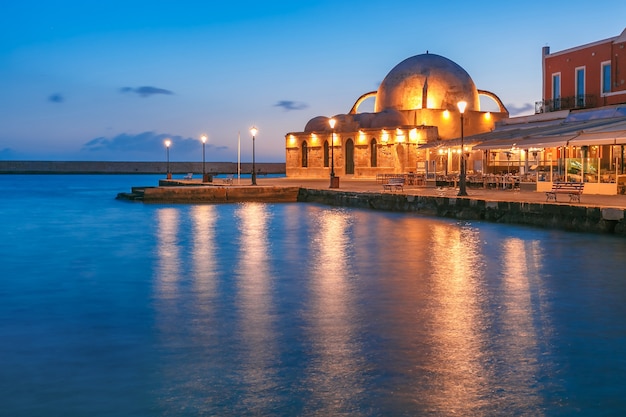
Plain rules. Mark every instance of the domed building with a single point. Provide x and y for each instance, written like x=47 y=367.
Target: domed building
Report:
x=415 y=116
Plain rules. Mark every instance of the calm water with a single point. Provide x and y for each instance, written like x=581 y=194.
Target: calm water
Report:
x=111 y=308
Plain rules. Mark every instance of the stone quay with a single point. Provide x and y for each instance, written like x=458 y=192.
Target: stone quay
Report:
x=594 y=214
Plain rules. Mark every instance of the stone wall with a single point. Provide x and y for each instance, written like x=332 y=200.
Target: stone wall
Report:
x=545 y=215
x=104 y=167
x=217 y=194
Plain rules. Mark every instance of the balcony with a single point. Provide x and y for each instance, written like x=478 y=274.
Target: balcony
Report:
x=585 y=101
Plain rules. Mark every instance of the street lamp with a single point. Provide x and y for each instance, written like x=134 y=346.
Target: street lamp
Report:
x=204 y=139
x=253 y=132
x=462 y=186
x=332 y=122
x=167 y=152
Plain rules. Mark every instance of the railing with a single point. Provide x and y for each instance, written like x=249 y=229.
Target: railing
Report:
x=566 y=103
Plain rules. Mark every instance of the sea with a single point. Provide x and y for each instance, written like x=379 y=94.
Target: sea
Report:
x=117 y=308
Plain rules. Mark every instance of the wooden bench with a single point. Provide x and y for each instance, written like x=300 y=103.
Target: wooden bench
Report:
x=394 y=184
x=573 y=189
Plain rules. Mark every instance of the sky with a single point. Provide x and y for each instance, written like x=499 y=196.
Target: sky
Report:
x=111 y=80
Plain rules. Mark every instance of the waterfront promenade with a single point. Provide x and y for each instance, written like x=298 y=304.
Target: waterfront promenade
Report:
x=495 y=195
x=593 y=214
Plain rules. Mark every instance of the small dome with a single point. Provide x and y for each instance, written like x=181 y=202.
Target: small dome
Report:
x=441 y=81
x=317 y=124
x=364 y=119
x=388 y=118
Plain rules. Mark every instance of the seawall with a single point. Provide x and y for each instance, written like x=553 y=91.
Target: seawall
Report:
x=546 y=215
x=116 y=167
x=212 y=194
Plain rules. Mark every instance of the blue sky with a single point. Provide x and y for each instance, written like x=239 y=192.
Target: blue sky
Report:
x=110 y=80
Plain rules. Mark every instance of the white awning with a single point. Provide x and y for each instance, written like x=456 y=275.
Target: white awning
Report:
x=546 y=141
x=600 y=138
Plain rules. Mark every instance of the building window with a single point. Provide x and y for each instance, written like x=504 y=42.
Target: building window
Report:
x=326 y=164
x=305 y=155
x=556 y=91
x=606 y=77
x=580 y=87
x=373 y=154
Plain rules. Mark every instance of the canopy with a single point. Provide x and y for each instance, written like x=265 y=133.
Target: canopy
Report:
x=617 y=137
x=591 y=132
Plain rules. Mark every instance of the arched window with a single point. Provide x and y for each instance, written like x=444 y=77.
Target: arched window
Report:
x=326 y=154
x=349 y=156
x=373 y=153
x=305 y=155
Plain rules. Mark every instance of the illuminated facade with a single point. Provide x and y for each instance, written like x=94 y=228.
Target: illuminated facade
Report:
x=415 y=105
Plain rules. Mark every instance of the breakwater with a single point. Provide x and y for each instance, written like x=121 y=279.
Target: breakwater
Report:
x=121 y=167
x=211 y=194
x=546 y=215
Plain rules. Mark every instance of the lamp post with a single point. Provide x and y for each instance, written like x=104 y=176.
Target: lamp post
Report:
x=333 y=183
x=462 y=186
x=253 y=132
x=204 y=139
x=167 y=153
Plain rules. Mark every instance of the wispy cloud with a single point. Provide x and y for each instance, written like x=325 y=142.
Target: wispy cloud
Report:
x=289 y=105
x=523 y=109
x=56 y=98
x=146 y=91
x=148 y=145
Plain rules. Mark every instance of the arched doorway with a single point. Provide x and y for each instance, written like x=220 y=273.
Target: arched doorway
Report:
x=373 y=153
x=305 y=155
x=401 y=155
x=349 y=156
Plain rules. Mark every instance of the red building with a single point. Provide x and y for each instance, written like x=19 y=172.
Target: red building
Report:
x=586 y=76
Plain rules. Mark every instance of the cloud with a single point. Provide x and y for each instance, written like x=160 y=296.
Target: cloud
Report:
x=56 y=98
x=146 y=91
x=526 y=108
x=147 y=145
x=288 y=105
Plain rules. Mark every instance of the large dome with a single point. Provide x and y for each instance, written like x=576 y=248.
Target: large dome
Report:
x=442 y=82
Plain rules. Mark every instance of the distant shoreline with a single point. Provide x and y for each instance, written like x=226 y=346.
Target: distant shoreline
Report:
x=126 y=167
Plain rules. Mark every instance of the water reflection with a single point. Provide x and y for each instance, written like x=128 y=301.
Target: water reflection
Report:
x=203 y=252
x=333 y=373
x=458 y=375
x=168 y=253
x=254 y=283
x=521 y=318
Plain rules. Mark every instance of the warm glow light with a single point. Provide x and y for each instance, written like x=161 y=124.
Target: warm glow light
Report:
x=203 y=138
x=253 y=131
x=462 y=105
x=362 y=138
x=441 y=151
x=292 y=139
x=332 y=122
x=168 y=143
x=413 y=136
x=399 y=135
x=446 y=114
x=488 y=116
x=385 y=136
x=313 y=137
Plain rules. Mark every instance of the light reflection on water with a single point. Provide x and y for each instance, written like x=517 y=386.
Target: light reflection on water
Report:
x=112 y=308
x=256 y=329
x=332 y=320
